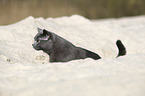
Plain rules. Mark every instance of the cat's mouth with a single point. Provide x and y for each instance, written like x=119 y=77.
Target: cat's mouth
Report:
x=36 y=47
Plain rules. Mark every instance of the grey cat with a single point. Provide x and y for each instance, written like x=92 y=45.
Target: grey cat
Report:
x=61 y=50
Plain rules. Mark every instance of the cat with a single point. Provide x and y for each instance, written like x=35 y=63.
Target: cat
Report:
x=61 y=50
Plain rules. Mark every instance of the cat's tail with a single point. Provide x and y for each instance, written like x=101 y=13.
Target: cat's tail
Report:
x=121 y=48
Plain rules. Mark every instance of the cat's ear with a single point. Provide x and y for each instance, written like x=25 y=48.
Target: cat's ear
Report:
x=39 y=30
x=47 y=33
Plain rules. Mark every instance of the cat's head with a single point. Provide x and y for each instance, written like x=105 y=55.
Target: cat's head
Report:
x=43 y=40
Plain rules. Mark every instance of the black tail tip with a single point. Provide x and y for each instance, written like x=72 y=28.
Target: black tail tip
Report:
x=121 y=48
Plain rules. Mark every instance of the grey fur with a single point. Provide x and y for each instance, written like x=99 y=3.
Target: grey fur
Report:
x=59 y=49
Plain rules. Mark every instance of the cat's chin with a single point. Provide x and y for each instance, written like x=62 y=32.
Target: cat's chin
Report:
x=36 y=48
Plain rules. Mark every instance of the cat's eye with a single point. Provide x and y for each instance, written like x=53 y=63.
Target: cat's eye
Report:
x=38 y=40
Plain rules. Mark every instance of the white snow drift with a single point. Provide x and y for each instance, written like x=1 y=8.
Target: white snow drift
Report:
x=27 y=72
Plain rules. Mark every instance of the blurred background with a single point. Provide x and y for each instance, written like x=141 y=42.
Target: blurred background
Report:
x=12 y=11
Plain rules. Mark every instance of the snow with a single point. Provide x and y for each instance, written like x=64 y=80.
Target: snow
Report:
x=27 y=72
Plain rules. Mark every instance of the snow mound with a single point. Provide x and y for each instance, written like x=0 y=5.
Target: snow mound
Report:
x=27 y=72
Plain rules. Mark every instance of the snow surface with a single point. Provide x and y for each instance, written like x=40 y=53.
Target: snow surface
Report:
x=27 y=72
